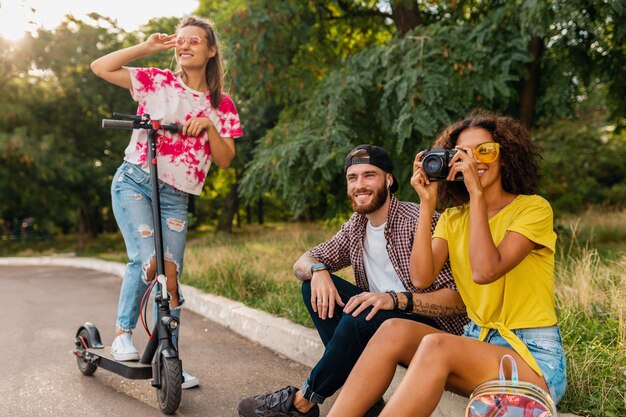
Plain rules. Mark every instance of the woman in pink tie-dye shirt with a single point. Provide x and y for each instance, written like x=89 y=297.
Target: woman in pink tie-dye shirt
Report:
x=193 y=97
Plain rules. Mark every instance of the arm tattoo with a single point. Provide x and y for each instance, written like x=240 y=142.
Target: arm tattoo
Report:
x=302 y=273
x=302 y=268
x=436 y=310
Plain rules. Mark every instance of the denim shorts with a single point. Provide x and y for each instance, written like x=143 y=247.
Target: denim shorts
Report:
x=546 y=346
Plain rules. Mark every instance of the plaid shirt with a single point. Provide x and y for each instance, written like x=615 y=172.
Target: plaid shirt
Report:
x=346 y=248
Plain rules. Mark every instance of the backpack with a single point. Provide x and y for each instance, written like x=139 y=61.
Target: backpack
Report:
x=510 y=398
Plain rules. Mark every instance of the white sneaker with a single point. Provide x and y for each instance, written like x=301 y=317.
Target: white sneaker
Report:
x=189 y=381
x=123 y=349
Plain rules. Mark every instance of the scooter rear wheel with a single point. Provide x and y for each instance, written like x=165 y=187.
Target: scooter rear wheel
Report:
x=86 y=367
x=169 y=394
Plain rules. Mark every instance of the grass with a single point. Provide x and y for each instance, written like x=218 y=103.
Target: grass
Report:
x=591 y=304
x=254 y=266
x=604 y=230
x=108 y=246
x=256 y=271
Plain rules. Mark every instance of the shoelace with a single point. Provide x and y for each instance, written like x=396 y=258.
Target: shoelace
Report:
x=277 y=399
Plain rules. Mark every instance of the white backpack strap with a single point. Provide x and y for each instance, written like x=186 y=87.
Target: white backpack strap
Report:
x=514 y=377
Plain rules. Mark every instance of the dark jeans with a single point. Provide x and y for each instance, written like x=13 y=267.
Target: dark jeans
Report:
x=345 y=338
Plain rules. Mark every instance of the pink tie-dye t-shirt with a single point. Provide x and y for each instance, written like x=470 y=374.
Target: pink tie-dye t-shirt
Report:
x=183 y=161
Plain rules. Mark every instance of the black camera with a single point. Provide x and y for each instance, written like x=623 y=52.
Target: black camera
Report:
x=435 y=164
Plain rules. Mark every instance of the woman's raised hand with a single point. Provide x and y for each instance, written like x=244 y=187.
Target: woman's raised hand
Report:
x=161 y=42
x=426 y=189
x=465 y=162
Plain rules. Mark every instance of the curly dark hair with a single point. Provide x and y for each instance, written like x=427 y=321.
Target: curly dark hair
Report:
x=519 y=155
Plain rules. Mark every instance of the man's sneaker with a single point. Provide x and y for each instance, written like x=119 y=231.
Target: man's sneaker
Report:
x=123 y=349
x=276 y=404
x=376 y=409
x=189 y=381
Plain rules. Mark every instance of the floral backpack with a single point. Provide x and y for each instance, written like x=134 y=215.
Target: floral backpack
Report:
x=510 y=398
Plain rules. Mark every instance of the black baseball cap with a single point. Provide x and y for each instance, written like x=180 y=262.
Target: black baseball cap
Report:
x=377 y=157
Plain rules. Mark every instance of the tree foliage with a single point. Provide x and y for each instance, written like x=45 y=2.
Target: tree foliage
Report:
x=583 y=162
x=398 y=88
x=53 y=148
x=312 y=79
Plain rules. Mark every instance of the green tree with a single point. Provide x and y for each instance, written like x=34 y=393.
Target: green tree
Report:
x=75 y=111
x=53 y=112
x=277 y=50
x=399 y=86
x=64 y=157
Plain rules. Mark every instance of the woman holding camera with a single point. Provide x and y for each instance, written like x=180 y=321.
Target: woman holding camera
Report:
x=499 y=238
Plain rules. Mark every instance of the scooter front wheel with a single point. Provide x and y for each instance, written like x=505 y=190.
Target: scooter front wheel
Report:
x=169 y=394
x=82 y=342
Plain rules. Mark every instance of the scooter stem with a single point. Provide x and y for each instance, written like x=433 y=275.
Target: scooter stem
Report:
x=156 y=213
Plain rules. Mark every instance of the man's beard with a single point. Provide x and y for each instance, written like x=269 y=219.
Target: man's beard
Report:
x=378 y=200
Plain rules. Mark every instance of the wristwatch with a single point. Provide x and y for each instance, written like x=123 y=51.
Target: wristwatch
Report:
x=318 y=266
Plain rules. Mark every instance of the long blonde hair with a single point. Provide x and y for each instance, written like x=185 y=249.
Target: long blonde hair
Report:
x=214 y=68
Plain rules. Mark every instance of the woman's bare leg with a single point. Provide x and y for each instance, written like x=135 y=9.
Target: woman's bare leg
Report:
x=394 y=342
x=171 y=272
x=457 y=363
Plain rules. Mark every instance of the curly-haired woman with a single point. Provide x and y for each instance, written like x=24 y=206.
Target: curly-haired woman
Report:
x=499 y=238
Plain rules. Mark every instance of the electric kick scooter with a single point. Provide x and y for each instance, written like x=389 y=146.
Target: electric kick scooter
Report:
x=160 y=361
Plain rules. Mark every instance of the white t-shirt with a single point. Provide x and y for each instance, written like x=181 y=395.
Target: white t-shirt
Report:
x=183 y=161
x=378 y=267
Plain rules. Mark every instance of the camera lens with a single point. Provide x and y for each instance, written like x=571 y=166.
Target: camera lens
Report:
x=432 y=164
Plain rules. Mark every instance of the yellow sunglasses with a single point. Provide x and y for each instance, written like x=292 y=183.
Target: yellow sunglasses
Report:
x=487 y=152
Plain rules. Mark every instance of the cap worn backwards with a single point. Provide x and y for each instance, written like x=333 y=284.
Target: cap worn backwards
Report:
x=376 y=156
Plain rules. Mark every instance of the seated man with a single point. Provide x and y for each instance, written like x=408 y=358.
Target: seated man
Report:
x=376 y=241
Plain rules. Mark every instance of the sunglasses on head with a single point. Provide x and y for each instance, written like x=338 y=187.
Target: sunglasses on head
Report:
x=487 y=152
x=191 y=40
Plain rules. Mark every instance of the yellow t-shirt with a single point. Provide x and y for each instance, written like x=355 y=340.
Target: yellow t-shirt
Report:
x=522 y=298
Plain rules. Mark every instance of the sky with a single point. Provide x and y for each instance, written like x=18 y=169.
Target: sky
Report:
x=19 y=16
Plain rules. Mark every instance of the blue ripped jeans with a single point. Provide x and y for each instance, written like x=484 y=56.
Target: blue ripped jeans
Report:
x=132 y=207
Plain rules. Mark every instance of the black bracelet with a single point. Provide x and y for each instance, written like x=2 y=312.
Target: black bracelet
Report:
x=394 y=298
x=409 y=302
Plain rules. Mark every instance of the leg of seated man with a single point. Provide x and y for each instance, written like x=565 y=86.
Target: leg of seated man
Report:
x=345 y=338
x=290 y=399
x=344 y=350
x=327 y=327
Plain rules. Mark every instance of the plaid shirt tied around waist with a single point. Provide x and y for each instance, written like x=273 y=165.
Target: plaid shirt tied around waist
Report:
x=346 y=249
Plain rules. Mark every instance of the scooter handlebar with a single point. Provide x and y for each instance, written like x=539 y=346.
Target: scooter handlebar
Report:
x=124 y=116
x=173 y=127
x=134 y=124
x=118 y=124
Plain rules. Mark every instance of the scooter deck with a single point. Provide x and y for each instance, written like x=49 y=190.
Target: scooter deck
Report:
x=127 y=369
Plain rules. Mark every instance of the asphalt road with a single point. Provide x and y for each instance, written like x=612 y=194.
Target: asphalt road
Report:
x=44 y=306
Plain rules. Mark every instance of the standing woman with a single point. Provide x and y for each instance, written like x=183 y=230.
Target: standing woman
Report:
x=193 y=97
x=500 y=241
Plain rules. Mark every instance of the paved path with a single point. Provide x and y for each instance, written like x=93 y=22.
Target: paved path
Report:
x=45 y=305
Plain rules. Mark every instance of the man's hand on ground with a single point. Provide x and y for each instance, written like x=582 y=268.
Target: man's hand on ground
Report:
x=377 y=300
x=324 y=294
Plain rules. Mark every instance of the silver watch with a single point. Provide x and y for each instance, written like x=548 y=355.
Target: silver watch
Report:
x=318 y=266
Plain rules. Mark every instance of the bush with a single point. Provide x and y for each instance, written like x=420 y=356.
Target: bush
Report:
x=584 y=163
